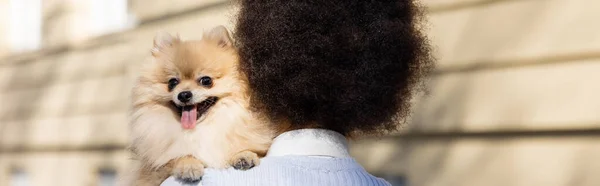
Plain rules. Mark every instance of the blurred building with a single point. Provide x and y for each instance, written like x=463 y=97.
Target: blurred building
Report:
x=513 y=101
x=66 y=69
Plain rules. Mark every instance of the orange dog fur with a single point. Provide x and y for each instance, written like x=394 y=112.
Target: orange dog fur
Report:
x=215 y=128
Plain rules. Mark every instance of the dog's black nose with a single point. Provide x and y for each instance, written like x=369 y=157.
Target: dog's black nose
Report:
x=185 y=96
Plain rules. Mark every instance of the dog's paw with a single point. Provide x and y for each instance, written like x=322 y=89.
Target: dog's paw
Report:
x=188 y=170
x=245 y=160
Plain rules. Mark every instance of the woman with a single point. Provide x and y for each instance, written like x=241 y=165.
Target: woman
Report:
x=324 y=71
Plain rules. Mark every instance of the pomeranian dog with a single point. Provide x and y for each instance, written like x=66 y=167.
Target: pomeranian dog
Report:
x=191 y=110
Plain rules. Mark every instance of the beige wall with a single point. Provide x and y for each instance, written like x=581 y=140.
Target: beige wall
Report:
x=510 y=65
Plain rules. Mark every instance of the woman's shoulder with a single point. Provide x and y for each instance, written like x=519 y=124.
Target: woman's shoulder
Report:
x=295 y=170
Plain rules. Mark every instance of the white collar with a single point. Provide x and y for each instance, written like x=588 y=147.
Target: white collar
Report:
x=310 y=142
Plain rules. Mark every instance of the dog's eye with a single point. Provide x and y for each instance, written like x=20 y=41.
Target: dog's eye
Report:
x=172 y=83
x=205 y=81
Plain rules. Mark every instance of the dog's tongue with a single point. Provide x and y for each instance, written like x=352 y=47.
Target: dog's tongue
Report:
x=188 y=117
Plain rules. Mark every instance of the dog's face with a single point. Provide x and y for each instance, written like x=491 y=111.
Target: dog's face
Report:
x=190 y=77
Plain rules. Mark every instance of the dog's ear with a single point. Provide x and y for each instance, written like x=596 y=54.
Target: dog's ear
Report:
x=220 y=35
x=164 y=41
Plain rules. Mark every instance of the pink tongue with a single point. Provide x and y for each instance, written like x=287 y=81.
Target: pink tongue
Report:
x=188 y=118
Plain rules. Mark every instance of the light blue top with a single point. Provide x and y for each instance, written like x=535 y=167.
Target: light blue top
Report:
x=306 y=157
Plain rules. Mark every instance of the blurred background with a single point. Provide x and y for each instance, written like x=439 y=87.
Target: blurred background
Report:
x=514 y=100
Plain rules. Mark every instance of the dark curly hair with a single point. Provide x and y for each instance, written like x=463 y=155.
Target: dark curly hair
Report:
x=345 y=65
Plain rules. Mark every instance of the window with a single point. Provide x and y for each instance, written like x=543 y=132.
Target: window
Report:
x=19 y=177
x=109 y=16
x=107 y=177
x=25 y=22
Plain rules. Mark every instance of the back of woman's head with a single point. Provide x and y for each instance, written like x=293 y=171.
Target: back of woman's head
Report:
x=345 y=65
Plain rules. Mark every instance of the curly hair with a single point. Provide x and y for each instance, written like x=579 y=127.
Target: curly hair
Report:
x=344 y=65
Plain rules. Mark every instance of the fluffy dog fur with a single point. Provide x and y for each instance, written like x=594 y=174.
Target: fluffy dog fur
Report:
x=227 y=134
x=347 y=65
